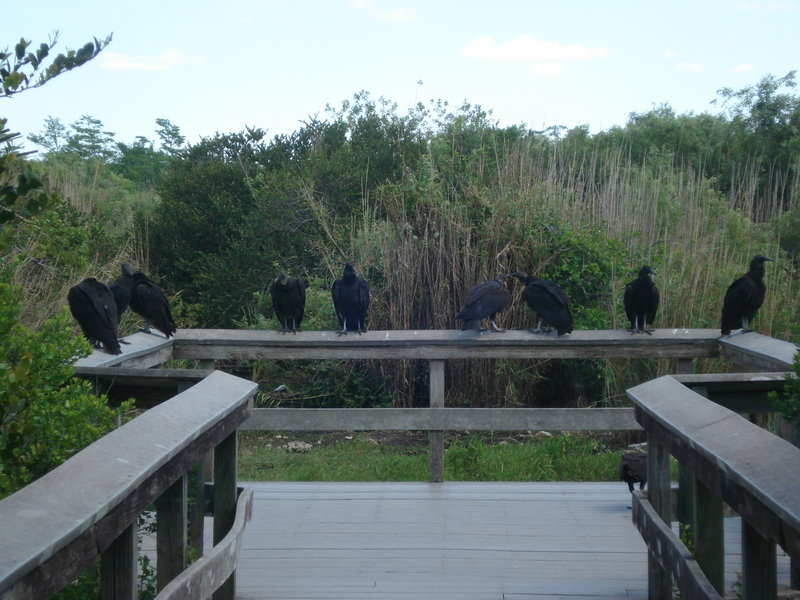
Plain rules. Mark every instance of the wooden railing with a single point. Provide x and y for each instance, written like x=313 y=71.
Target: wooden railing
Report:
x=723 y=457
x=105 y=517
x=54 y=529
x=437 y=346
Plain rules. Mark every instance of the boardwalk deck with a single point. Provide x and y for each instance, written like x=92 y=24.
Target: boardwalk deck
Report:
x=454 y=540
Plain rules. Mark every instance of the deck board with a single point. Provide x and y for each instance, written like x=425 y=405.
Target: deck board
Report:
x=452 y=540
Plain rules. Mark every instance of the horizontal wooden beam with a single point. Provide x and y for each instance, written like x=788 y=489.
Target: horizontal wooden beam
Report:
x=142 y=350
x=136 y=377
x=210 y=344
x=739 y=392
x=52 y=529
x=441 y=419
x=755 y=472
x=758 y=352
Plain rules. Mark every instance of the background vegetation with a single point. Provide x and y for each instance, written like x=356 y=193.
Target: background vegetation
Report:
x=427 y=204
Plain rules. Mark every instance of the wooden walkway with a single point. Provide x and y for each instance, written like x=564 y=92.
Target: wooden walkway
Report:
x=452 y=540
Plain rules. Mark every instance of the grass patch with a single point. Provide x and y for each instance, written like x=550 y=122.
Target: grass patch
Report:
x=404 y=457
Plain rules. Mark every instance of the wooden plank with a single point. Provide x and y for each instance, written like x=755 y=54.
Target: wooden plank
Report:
x=759 y=576
x=100 y=491
x=119 y=566
x=436 y=419
x=160 y=378
x=143 y=350
x=171 y=533
x=666 y=547
x=225 y=495
x=436 y=437
x=207 y=344
x=216 y=567
x=755 y=472
x=758 y=352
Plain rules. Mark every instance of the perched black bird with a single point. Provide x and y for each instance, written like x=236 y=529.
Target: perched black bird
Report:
x=744 y=297
x=150 y=302
x=484 y=300
x=92 y=304
x=633 y=469
x=548 y=301
x=350 y=301
x=641 y=301
x=288 y=301
x=122 y=290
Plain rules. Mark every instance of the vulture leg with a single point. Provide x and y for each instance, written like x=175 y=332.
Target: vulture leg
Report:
x=495 y=327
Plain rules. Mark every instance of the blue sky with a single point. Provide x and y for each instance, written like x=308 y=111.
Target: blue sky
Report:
x=209 y=65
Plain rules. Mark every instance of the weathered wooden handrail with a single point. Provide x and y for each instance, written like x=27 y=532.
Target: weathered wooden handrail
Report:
x=53 y=529
x=211 y=344
x=733 y=460
x=211 y=571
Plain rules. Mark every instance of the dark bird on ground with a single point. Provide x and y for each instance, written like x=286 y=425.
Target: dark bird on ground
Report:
x=150 y=302
x=484 y=300
x=92 y=304
x=122 y=290
x=350 y=301
x=744 y=297
x=288 y=301
x=548 y=301
x=641 y=301
x=633 y=469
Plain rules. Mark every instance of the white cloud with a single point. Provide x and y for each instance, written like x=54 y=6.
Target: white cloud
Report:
x=742 y=68
x=693 y=67
x=670 y=54
x=546 y=58
x=165 y=61
x=396 y=14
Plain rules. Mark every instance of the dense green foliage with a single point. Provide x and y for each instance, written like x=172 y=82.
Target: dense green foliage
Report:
x=430 y=202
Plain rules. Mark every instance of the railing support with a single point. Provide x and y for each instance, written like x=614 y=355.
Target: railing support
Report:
x=118 y=567
x=710 y=536
x=659 y=494
x=171 y=536
x=225 y=502
x=759 y=565
x=436 y=438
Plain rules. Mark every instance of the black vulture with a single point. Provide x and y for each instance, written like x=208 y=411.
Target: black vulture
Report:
x=350 y=301
x=92 y=304
x=744 y=297
x=633 y=469
x=150 y=302
x=484 y=300
x=122 y=290
x=641 y=301
x=288 y=301
x=548 y=301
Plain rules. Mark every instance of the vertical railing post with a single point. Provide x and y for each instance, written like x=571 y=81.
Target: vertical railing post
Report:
x=659 y=493
x=759 y=565
x=710 y=536
x=436 y=438
x=119 y=565
x=791 y=433
x=171 y=533
x=225 y=465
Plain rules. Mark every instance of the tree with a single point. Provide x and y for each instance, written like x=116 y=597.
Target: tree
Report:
x=170 y=135
x=53 y=137
x=89 y=140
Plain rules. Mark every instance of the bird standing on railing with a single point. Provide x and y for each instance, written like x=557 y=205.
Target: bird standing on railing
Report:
x=484 y=300
x=548 y=301
x=641 y=301
x=288 y=301
x=150 y=302
x=351 y=301
x=92 y=304
x=121 y=288
x=744 y=297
